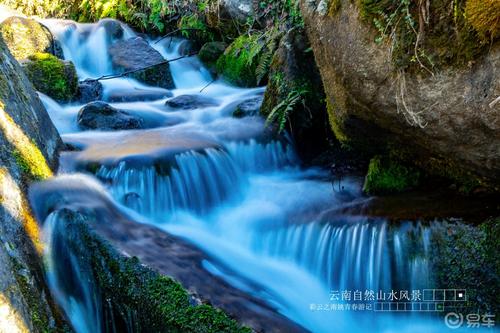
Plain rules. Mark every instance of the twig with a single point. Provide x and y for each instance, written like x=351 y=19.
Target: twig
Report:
x=209 y=83
x=176 y=31
x=114 y=76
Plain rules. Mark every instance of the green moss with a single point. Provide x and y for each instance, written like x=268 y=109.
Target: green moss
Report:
x=31 y=162
x=334 y=7
x=388 y=176
x=337 y=125
x=211 y=52
x=466 y=257
x=239 y=62
x=52 y=76
x=136 y=296
x=484 y=16
x=39 y=315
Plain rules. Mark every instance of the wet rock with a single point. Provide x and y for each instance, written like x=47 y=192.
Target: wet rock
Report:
x=52 y=76
x=25 y=37
x=29 y=145
x=210 y=52
x=188 y=47
x=294 y=71
x=239 y=10
x=89 y=91
x=113 y=28
x=190 y=102
x=137 y=95
x=248 y=108
x=102 y=116
x=136 y=54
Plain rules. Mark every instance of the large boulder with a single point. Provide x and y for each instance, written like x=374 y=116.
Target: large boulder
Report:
x=29 y=145
x=447 y=123
x=102 y=116
x=52 y=76
x=25 y=37
x=133 y=55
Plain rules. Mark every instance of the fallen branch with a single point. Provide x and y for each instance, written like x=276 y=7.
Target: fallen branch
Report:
x=114 y=76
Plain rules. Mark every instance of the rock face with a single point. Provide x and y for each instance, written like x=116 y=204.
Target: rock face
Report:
x=136 y=53
x=26 y=37
x=293 y=71
x=446 y=122
x=102 y=116
x=29 y=146
x=239 y=10
x=190 y=102
x=52 y=76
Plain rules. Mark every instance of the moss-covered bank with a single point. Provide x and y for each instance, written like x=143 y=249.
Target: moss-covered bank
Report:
x=137 y=298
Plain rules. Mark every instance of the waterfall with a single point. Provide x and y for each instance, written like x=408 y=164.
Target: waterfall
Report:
x=195 y=182
x=349 y=255
x=258 y=215
x=69 y=276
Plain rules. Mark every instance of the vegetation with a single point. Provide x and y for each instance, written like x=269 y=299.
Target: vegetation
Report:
x=52 y=76
x=388 y=176
x=136 y=295
x=465 y=257
x=246 y=61
x=427 y=34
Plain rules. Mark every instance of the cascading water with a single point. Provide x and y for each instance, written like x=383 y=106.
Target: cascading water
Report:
x=247 y=204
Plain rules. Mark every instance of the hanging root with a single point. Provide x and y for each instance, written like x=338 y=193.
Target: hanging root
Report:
x=414 y=118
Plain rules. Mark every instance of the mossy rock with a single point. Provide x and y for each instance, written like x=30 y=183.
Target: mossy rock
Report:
x=26 y=37
x=52 y=76
x=389 y=176
x=239 y=62
x=210 y=52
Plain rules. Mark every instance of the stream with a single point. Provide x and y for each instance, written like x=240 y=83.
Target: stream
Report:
x=267 y=226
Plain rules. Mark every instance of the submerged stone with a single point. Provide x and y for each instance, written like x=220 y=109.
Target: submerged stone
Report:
x=190 y=102
x=102 y=116
x=90 y=91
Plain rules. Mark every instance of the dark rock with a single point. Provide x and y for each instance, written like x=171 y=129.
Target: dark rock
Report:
x=113 y=28
x=211 y=51
x=190 y=102
x=89 y=91
x=137 y=95
x=238 y=10
x=135 y=54
x=102 y=116
x=296 y=69
x=188 y=47
x=249 y=108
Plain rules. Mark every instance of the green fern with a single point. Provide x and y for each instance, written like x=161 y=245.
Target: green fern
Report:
x=281 y=112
